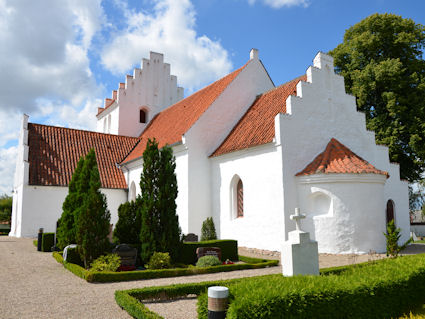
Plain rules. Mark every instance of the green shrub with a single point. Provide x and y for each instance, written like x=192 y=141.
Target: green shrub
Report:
x=208 y=230
x=229 y=250
x=379 y=290
x=393 y=235
x=47 y=241
x=159 y=261
x=109 y=262
x=127 y=229
x=208 y=261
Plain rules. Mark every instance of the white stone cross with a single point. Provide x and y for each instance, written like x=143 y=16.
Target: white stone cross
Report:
x=297 y=217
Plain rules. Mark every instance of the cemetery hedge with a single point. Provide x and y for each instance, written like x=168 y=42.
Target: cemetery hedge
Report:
x=97 y=276
x=47 y=241
x=229 y=249
x=381 y=290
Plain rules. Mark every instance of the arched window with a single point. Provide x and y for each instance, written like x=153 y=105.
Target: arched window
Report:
x=239 y=198
x=390 y=211
x=142 y=116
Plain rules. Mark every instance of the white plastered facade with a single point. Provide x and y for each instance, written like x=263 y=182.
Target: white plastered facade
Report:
x=345 y=212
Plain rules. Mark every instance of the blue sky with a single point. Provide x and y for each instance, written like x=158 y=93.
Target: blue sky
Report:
x=63 y=58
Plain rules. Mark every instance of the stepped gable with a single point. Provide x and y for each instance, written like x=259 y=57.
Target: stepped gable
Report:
x=338 y=159
x=168 y=126
x=55 y=151
x=256 y=127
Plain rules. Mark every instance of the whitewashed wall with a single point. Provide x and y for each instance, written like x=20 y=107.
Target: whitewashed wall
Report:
x=211 y=129
x=41 y=206
x=260 y=170
x=344 y=211
x=151 y=87
x=322 y=111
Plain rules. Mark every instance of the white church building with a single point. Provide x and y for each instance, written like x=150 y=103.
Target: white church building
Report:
x=247 y=153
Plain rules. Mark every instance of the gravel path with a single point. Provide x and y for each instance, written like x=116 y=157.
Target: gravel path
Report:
x=34 y=285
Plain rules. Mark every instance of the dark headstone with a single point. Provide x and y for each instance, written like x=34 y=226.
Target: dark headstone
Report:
x=127 y=253
x=208 y=251
x=191 y=237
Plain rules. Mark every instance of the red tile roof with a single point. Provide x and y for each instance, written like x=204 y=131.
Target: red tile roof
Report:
x=337 y=158
x=168 y=126
x=55 y=151
x=256 y=127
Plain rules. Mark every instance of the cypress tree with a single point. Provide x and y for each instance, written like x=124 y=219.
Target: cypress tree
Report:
x=127 y=229
x=66 y=223
x=160 y=231
x=92 y=225
x=170 y=239
x=149 y=201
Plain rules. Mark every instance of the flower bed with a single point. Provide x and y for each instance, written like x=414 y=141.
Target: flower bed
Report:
x=381 y=289
x=92 y=276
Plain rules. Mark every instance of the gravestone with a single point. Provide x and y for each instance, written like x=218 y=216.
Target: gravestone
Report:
x=191 y=237
x=127 y=253
x=300 y=255
x=208 y=251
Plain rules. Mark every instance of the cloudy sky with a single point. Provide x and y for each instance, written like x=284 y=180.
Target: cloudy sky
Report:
x=60 y=59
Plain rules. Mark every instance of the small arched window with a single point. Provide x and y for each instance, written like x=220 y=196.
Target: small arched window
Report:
x=390 y=211
x=239 y=199
x=142 y=116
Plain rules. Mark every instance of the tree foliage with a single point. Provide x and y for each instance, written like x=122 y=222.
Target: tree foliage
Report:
x=160 y=230
x=393 y=236
x=381 y=59
x=208 y=230
x=92 y=223
x=5 y=208
x=127 y=229
x=66 y=224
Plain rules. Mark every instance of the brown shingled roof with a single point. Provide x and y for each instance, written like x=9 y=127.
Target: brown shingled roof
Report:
x=337 y=158
x=256 y=127
x=169 y=125
x=55 y=151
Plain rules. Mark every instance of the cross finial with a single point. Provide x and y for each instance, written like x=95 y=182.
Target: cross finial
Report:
x=297 y=217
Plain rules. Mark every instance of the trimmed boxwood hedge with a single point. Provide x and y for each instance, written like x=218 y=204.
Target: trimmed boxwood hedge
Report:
x=47 y=241
x=97 y=276
x=229 y=249
x=380 y=290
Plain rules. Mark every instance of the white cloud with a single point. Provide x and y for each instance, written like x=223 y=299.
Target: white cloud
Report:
x=277 y=4
x=7 y=169
x=169 y=29
x=44 y=58
x=46 y=51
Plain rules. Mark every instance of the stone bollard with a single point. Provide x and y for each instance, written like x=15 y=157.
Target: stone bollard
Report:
x=217 y=302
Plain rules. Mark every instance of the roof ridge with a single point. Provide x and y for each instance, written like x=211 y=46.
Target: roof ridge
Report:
x=81 y=130
x=218 y=151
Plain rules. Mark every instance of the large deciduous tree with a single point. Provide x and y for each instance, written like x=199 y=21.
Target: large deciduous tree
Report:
x=381 y=59
x=160 y=231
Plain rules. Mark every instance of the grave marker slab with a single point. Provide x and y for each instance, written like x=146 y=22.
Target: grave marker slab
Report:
x=208 y=251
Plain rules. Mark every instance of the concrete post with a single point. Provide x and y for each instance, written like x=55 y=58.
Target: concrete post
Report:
x=217 y=302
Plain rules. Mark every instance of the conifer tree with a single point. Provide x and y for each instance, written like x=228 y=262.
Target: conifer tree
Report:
x=127 y=229
x=160 y=231
x=170 y=240
x=92 y=225
x=66 y=228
